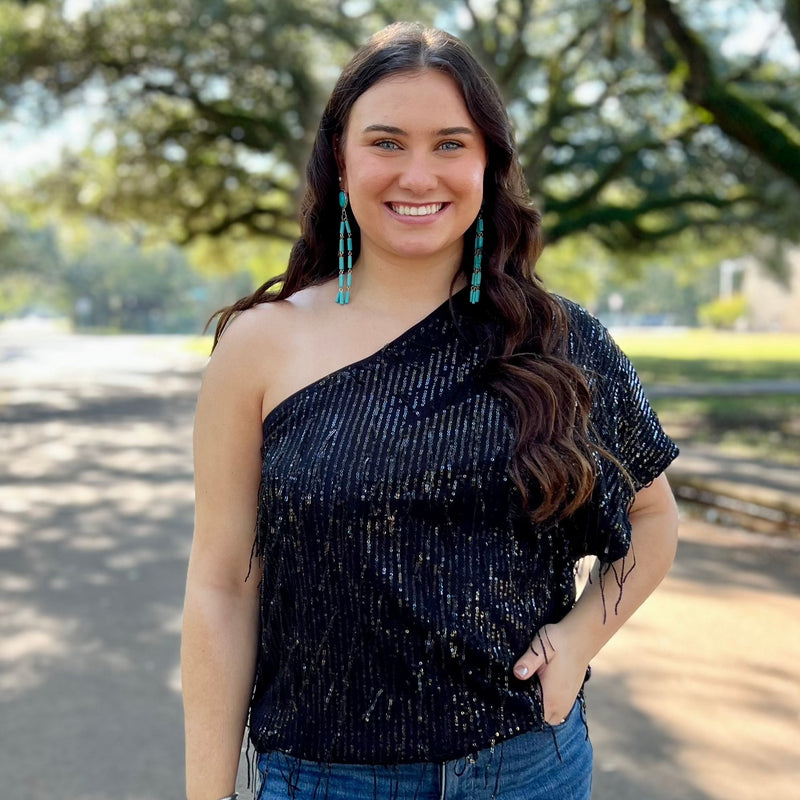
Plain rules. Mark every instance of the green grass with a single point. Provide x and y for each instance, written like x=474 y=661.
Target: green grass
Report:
x=764 y=426
x=200 y=345
x=701 y=356
x=691 y=342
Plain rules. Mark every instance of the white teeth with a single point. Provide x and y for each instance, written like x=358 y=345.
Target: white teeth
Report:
x=417 y=211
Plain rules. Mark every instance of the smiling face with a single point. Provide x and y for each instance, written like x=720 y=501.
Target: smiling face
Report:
x=412 y=164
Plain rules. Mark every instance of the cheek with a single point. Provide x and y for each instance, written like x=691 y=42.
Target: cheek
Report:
x=471 y=177
x=365 y=188
x=472 y=183
x=363 y=183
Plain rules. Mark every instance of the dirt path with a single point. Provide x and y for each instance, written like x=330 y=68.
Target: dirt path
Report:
x=698 y=698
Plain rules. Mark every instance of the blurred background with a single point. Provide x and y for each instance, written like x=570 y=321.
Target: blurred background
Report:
x=151 y=164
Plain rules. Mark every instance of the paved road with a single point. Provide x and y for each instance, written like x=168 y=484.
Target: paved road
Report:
x=697 y=699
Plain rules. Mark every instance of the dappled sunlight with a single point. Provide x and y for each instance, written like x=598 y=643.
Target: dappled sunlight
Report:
x=30 y=641
x=97 y=505
x=173 y=679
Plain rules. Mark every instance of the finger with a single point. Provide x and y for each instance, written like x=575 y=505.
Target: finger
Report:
x=528 y=664
x=539 y=653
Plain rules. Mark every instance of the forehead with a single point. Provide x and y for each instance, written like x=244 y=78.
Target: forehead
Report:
x=428 y=96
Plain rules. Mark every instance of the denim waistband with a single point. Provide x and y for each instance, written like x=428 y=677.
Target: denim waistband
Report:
x=551 y=764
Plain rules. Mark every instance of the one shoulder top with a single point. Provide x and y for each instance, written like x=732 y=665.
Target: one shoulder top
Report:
x=401 y=578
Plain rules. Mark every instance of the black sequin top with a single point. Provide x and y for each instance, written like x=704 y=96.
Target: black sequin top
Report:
x=401 y=580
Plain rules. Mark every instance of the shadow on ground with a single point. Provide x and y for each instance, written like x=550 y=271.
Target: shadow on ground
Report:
x=635 y=756
x=97 y=499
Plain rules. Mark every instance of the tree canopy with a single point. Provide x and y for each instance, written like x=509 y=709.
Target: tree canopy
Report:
x=636 y=120
x=99 y=277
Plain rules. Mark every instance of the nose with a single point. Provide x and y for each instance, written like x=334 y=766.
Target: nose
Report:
x=418 y=174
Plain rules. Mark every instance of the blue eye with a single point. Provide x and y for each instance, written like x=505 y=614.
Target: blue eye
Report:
x=386 y=144
x=451 y=145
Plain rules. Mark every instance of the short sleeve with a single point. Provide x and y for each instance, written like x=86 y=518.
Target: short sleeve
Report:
x=624 y=424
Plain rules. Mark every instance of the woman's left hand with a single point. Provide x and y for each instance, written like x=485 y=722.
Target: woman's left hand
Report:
x=560 y=652
x=560 y=666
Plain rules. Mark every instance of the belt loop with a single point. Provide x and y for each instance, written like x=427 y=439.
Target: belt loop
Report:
x=443 y=780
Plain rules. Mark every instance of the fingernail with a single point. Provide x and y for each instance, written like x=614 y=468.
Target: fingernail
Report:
x=521 y=672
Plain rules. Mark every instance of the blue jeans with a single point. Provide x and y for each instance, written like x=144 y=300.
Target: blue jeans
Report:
x=553 y=764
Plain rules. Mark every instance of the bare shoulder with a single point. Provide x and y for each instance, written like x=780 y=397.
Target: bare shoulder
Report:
x=252 y=339
x=270 y=323
x=251 y=328
x=262 y=348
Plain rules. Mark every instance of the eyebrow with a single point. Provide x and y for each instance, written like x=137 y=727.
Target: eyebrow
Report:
x=400 y=132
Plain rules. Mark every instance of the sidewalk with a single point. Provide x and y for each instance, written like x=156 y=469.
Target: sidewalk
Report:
x=758 y=492
x=766 y=492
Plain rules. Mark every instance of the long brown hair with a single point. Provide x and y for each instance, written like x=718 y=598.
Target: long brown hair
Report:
x=548 y=396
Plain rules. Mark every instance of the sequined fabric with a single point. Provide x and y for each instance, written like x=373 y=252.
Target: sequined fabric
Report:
x=401 y=579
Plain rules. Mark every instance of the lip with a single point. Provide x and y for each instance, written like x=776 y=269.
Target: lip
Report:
x=417 y=220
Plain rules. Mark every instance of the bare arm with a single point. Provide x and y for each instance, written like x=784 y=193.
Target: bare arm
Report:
x=220 y=618
x=561 y=654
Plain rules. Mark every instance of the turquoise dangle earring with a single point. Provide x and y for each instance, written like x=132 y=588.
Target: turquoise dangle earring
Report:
x=475 y=285
x=345 y=247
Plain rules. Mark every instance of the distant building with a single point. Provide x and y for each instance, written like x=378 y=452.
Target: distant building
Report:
x=772 y=305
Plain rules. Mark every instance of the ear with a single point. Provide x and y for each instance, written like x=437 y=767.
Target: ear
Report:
x=338 y=152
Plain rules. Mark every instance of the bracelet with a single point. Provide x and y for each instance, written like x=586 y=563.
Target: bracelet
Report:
x=230 y=796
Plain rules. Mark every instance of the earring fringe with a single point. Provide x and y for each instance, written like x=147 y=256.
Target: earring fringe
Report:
x=345 y=247
x=475 y=284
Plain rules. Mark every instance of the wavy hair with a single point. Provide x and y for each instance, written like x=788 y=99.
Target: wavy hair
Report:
x=547 y=395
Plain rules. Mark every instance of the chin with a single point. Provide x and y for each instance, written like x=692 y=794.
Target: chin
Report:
x=423 y=251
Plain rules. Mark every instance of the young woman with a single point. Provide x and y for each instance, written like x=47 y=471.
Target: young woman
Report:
x=423 y=442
